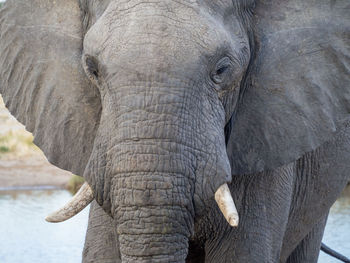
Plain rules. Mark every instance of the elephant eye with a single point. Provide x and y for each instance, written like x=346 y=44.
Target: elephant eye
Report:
x=91 y=68
x=221 y=70
x=222 y=73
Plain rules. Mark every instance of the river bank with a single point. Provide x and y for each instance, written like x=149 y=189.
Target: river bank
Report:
x=32 y=171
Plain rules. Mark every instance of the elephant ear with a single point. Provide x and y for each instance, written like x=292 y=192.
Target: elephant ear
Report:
x=42 y=80
x=297 y=92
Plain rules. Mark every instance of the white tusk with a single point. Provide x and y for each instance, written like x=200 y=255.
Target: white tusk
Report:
x=79 y=201
x=227 y=206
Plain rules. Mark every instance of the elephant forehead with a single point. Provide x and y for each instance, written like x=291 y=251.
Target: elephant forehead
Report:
x=166 y=28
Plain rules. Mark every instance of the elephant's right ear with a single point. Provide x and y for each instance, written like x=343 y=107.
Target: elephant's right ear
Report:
x=42 y=80
x=298 y=86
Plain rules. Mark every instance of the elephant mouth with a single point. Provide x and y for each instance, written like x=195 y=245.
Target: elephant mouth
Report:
x=85 y=196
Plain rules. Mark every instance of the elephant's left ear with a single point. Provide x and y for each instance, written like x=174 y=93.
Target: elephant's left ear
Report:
x=42 y=81
x=298 y=88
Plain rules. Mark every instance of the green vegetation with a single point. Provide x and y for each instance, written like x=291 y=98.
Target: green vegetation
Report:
x=75 y=182
x=18 y=143
x=4 y=149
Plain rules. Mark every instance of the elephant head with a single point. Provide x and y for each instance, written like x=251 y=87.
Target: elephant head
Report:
x=159 y=103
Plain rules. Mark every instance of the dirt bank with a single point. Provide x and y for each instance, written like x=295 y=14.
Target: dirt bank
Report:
x=31 y=171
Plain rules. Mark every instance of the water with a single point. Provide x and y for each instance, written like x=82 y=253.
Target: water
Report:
x=337 y=232
x=26 y=237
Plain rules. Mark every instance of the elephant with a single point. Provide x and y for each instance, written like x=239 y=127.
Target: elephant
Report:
x=206 y=131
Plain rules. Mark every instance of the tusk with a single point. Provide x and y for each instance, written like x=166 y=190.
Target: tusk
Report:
x=79 y=201
x=227 y=206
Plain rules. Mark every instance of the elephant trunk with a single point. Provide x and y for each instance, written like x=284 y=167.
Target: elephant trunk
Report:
x=157 y=240
x=153 y=180
x=154 y=216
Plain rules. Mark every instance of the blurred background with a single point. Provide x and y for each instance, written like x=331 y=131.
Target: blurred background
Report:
x=30 y=188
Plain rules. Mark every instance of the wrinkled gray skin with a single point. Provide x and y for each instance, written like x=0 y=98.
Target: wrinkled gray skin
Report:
x=158 y=103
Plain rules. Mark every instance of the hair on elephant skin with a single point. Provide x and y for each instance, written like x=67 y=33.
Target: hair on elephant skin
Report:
x=206 y=131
